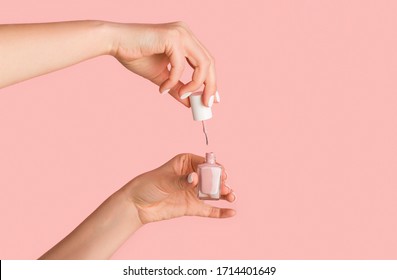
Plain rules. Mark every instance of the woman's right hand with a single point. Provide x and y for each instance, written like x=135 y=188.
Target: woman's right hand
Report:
x=148 y=49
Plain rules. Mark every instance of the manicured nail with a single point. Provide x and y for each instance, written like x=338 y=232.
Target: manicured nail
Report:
x=165 y=91
x=211 y=101
x=186 y=95
x=217 y=97
x=235 y=197
x=190 y=178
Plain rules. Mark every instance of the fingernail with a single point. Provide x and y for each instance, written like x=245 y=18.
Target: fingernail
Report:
x=190 y=178
x=165 y=91
x=185 y=95
x=211 y=101
x=235 y=197
x=217 y=97
x=230 y=189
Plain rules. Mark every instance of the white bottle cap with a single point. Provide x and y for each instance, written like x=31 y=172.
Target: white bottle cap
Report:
x=199 y=110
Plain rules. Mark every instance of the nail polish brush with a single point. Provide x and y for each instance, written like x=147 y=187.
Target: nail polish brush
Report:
x=205 y=132
x=200 y=111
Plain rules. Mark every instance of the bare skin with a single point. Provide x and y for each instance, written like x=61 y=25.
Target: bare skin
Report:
x=30 y=50
x=161 y=194
x=156 y=52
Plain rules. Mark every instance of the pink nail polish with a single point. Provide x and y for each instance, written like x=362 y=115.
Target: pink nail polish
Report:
x=209 y=173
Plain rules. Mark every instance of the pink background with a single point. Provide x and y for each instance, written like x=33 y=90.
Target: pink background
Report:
x=307 y=129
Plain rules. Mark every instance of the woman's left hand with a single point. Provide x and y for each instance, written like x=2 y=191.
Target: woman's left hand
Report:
x=170 y=191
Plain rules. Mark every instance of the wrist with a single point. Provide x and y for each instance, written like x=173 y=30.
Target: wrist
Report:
x=124 y=197
x=131 y=192
x=102 y=233
x=106 y=34
x=111 y=33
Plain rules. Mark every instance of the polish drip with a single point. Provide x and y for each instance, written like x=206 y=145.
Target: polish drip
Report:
x=205 y=133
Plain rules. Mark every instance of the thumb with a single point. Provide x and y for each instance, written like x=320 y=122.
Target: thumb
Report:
x=188 y=181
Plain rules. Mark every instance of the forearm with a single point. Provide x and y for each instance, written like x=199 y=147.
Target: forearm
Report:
x=29 y=50
x=102 y=233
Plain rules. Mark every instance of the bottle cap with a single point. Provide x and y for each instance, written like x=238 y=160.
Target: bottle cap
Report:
x=199 y=110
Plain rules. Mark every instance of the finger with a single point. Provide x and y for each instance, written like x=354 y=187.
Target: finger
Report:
x=174 y=92
x=217 y=97
x=187 y=181
x=191 y=179
x=177 y=61
x=210 y=94
x=216 y=212
x=193 y=161
x=225 y=189
x=160 y=79
x=224 y=174
x=210 y=82
x=199 y=75
x=230 y=197
x=185 y=163
x=200 y=62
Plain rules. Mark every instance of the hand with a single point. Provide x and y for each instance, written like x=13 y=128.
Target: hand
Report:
x=160 y=194
x=165 y=193
x=148 y=49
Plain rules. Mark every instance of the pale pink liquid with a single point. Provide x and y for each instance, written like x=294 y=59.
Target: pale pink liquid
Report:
x=209 y=179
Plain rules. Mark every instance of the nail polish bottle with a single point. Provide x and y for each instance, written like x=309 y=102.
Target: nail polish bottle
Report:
x=209 y=173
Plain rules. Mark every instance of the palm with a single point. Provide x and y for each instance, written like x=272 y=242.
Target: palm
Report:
x=164 y=199
x=149 y=67
x=170 y=205
x=164 y=193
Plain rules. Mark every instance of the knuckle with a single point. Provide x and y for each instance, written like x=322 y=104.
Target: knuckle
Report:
x=178 y=29
x=173 y=77
x=174 y=34
x=206 y=63
x=214 y=212
x=172 y=81
x=177 y=67
x=182 y=163
x=212 y=60
x=182 y=24
x=194 y=83
x=175 y=73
